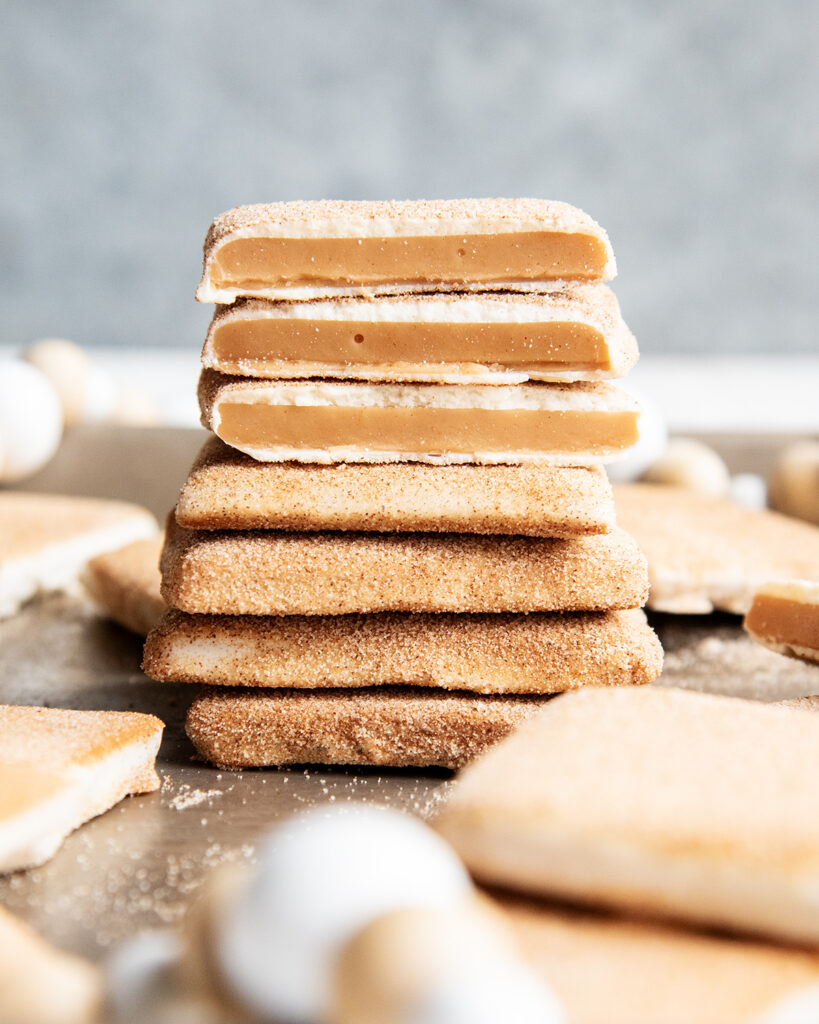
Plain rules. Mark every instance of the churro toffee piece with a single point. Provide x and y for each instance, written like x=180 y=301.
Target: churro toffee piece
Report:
x=61 y=768
x=785 y=617
x=227 y=489
x=535 y=653
x=307 y=250
x=265 y=572
x=393 y=726
x=655 y=801
x=125 y=584
x=47 y=539
x=324 y=422
x=572 y=333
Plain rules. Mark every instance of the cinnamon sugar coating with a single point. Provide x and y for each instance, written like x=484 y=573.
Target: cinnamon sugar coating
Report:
x=299 y=217
x=268 y=573
x=227 y=489
x=396 y=726
x=537 y=653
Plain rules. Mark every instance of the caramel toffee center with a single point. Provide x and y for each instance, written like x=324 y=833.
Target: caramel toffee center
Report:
x=253 y=263
x=525 y=346
x=425 y=429
x=784 y=620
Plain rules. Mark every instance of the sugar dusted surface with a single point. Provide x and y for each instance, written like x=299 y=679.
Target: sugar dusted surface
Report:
x=398 y=727
x=61 y=738
x=229 y=490
x=344 y=218
x=483 y=653
x=263 y=572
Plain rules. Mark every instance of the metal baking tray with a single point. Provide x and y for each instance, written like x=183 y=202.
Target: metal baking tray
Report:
x=139 y=865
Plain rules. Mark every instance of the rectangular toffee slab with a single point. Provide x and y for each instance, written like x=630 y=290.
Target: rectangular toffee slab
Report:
x=305 y=250
x=440 y=424
x=227 y=489
x=569 y=334
x=264 y=572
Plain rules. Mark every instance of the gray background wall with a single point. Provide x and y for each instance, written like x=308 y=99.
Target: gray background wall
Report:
x=687 y=129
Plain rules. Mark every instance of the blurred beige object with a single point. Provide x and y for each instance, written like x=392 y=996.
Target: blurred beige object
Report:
x=785 y=617
x=394 y=962
x=135 y=408
x=612 y=971
x=705 y=553
x=31 y=420
x=42 y=985
x=68 y=368
x=802 y=703
x=125 y=584
x=46 y=540
x=794 y=484
x=689 y=463
x=59 y=769
x=198 y=967
x=654 y=801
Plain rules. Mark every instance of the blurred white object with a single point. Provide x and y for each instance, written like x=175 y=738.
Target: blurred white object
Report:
x=31 y=420
x=87 y=393
x=749 y=489
x=689 y=463
x=320 y=878
x=486 y=993
x=652 y=443
x=453 y=966
x=794 y=484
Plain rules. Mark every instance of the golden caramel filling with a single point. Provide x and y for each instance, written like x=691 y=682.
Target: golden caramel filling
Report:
x=526 y=346
x=784 y=621
x=257 y=263
x=23 y=785
x=425 y=430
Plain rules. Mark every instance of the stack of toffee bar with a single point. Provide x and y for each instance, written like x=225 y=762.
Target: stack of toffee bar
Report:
x=400 y=539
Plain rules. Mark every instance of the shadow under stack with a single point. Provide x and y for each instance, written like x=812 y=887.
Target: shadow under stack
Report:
x=400 y=540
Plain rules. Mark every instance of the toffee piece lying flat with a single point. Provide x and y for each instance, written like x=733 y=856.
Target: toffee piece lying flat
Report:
x=401 y=726
x=606 y=970
x=306 y=250
x=46 y=540
x=227 y=489
x=536 y=653
x=321 y=422
x=60 y=768
x=269 y=573
x=570 y=334
x=125 y=584
x=705 y=553
x=657 y=801
x=785 y=617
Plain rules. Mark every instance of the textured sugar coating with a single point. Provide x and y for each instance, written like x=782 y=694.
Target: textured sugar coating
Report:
x=536 y=653
x=607 y=970
x=125 y=583
x=348 y=218
x=31 y=523
x=227 y=489
x=269 y=573
x=705 y=553
x=594 y=306
x=65 y=739
x=400 y=726
x=713 y=817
